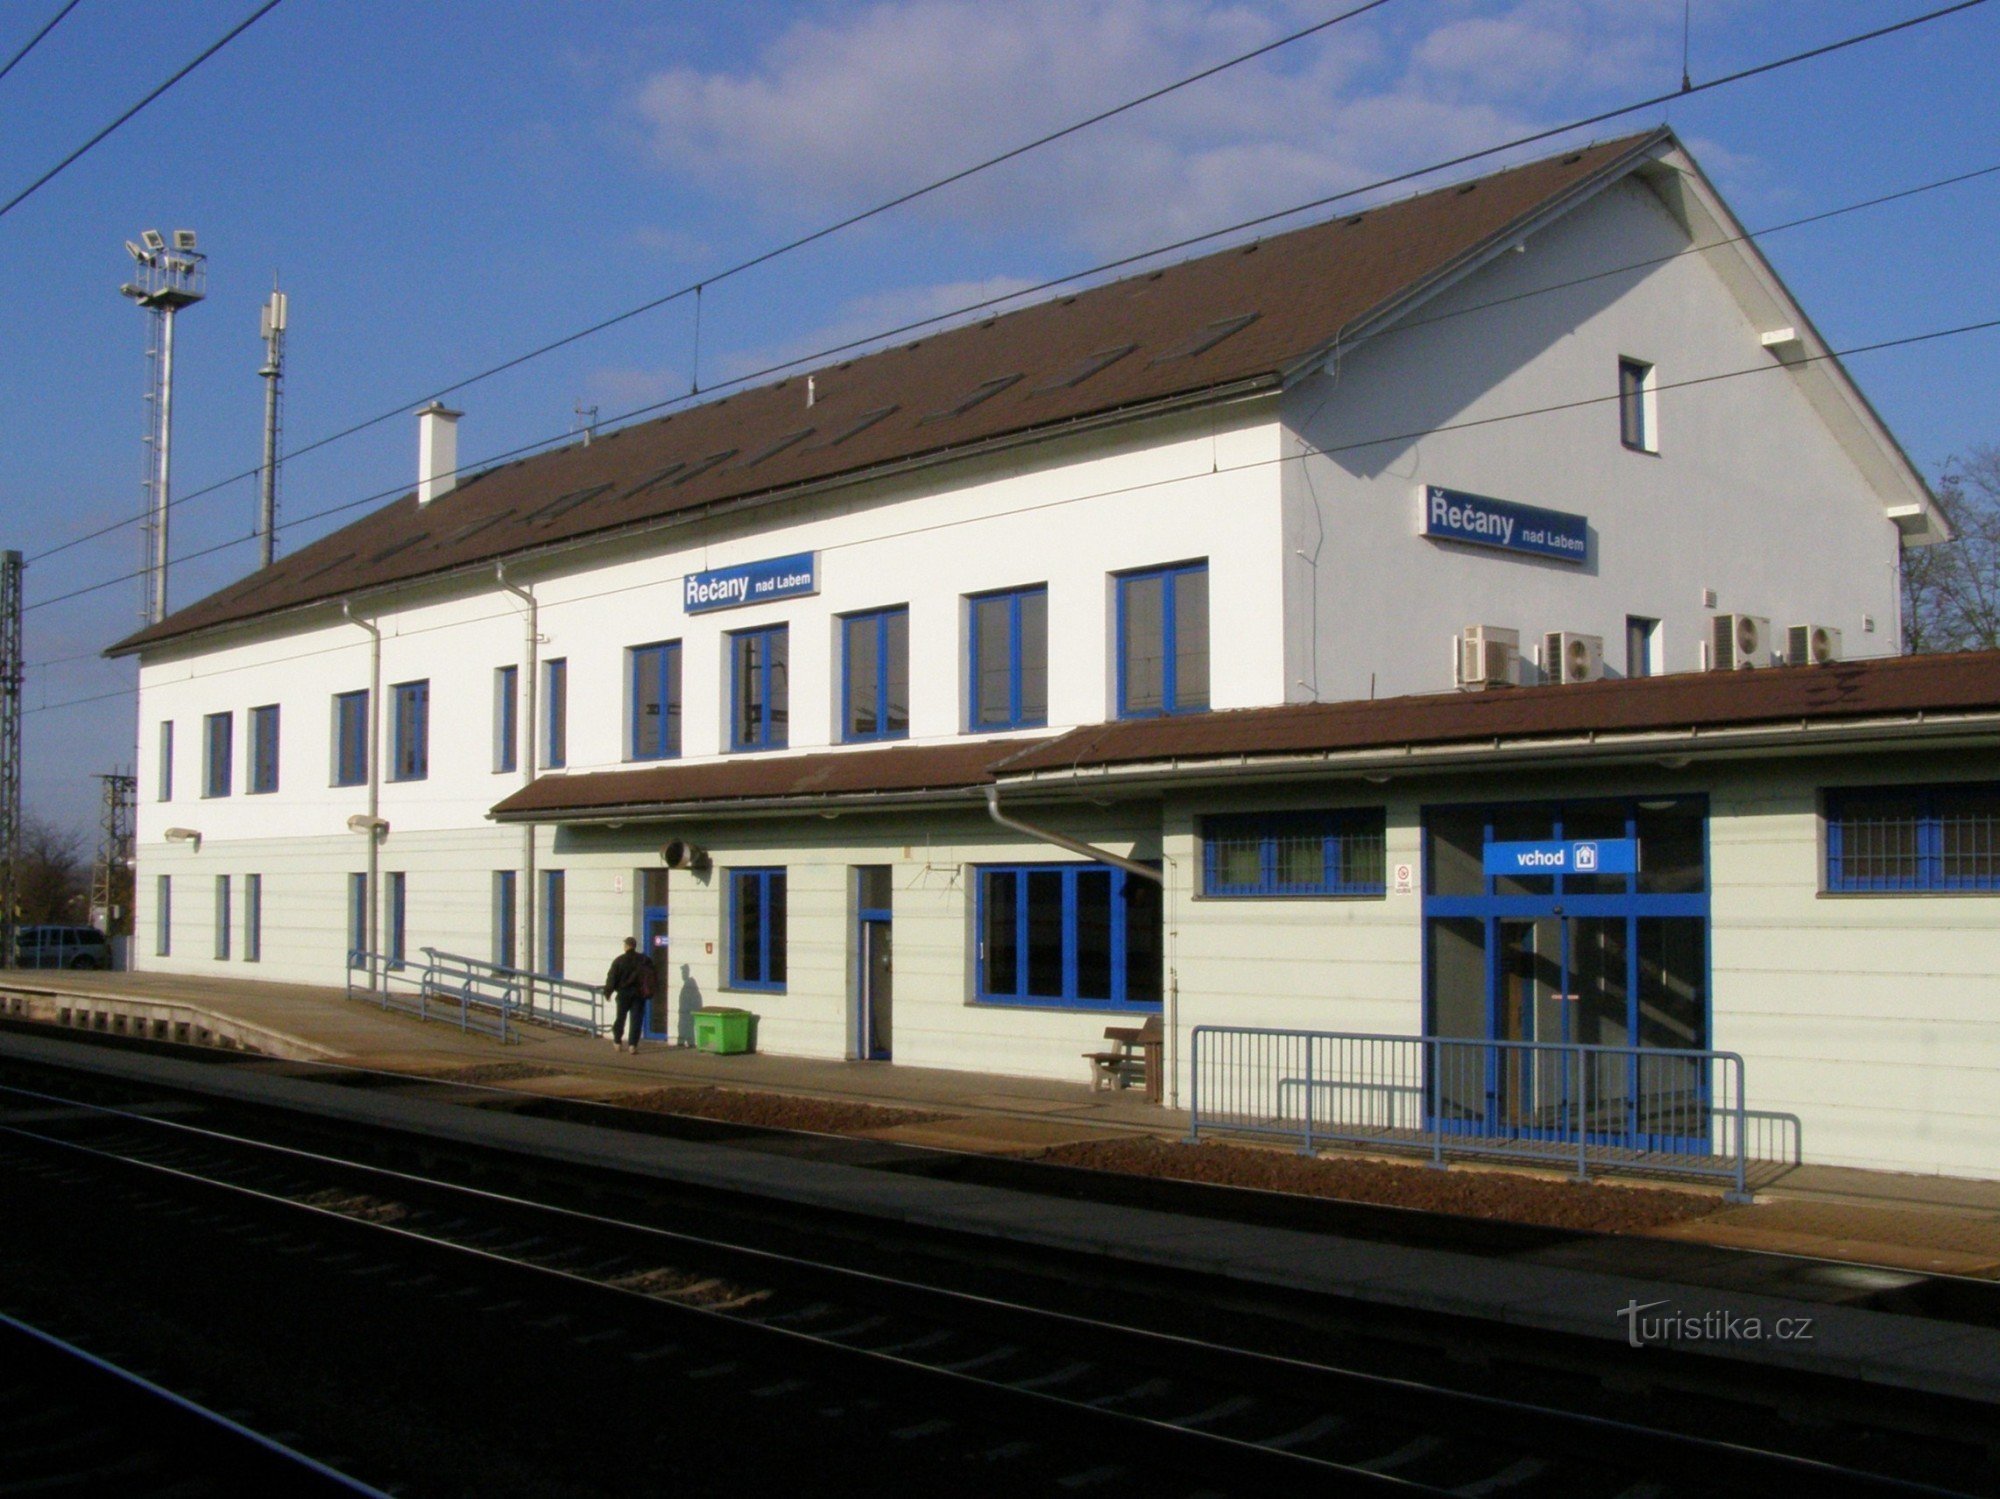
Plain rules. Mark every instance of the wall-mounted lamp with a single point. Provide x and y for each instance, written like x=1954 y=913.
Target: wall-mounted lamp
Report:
x=1376 y=778
x=184 y=835
x=365 y=822
x=1674 y=762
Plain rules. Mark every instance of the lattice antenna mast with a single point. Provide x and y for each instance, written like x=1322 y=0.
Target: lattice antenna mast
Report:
x=11 y=673
x=166 y=281
x=273 y=320
x=111 y=876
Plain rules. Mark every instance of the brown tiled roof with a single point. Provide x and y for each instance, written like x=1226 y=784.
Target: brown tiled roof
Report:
x=1691 y=701
x=1248 y=313
x=958 y=766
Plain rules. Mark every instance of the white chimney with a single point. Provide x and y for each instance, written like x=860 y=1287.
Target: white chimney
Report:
x=437 y=451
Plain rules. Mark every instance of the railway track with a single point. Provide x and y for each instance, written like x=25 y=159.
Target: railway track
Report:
x=630 y=1334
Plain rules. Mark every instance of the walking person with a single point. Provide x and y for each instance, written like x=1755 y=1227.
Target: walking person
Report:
x=631 y=983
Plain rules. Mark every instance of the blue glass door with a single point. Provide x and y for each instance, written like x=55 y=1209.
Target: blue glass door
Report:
x=653 y=943
x=1533 y=965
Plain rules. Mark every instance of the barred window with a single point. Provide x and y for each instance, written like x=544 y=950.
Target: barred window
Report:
x=1294 y=853
x=1913 y=838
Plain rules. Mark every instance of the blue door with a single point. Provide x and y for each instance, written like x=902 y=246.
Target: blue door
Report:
x=653 y=942
x=1530 y=963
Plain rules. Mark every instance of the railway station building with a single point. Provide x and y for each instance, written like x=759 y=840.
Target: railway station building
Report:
x=1473 y=619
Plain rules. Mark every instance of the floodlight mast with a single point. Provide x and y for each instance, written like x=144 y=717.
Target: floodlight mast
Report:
x=165 y=283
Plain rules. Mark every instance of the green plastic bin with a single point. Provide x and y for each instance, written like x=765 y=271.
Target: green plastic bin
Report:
x=722 y=1030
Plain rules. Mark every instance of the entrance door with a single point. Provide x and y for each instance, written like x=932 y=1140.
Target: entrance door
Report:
x=653 y=942
x=875 y=959
x=1576 y=960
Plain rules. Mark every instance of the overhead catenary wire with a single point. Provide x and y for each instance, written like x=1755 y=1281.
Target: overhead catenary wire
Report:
x=695 y=288
x=1749 y=236
x=1306 y=451
x=1118 y=263
x=33 y=41
x=201 y=57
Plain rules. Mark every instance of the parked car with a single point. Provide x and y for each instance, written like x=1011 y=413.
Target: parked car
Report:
x=61 y=947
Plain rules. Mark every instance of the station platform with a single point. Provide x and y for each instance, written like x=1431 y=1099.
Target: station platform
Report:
x=1927 y=1224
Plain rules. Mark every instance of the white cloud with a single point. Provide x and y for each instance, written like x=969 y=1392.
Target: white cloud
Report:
x=849 y=107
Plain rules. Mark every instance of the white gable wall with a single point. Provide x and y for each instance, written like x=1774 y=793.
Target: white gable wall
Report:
x=1749 y=494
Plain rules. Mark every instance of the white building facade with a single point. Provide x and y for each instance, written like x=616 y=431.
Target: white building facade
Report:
x=1220 y=502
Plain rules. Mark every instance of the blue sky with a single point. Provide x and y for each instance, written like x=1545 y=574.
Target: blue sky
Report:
x=447 y=184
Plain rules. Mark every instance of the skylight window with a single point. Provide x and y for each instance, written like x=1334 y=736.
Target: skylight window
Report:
x=860 y=424
x=985 y=391
x=650 y=480
x=1096 y=363
x=772 y=450
x=711 y=461
x=1209 y=337
x=563 y=504
x=398 y=546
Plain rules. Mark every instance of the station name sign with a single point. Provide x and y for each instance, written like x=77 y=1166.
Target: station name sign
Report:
x=1451 y=515
x=1582 y=856
x=751 y=583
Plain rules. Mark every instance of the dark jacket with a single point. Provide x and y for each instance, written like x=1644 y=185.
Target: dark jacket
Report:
x=627 y=977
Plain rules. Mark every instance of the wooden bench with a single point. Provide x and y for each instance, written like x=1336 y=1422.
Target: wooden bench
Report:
x=1135 y=1056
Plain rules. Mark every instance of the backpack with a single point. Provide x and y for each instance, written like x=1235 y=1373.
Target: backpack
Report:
x=648 y=981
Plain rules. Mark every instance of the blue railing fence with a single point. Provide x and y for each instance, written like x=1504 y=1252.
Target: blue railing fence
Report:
x=490 y=998
x=1631 y=1108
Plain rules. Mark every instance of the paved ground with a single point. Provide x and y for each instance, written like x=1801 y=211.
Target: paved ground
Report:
x=1939 y=1224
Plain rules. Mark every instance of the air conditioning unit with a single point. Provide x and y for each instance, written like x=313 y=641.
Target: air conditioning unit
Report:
x=1569 y=657
x=1489 y=656
x=1740 y=641
x=1812 y=645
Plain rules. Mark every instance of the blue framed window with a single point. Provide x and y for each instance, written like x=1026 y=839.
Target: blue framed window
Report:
x=760 y=688
x=1163 y=641
x=875 y=675
x=1085 y=936
x=163 y=915
x=1008 y=647
x=555 y=921
x=1294 y=853
x=1918 y=838
x=506 y=717
x=222 y=914
x=399 y=918
x=656 y=701
x=264 y=749
x=253 y=918
x=411 y=735
x=350 y=738
x=166 y=784
x=506 y=888
x=357 y=913
x=218 y=741
x=757 y=929
x=555 y=713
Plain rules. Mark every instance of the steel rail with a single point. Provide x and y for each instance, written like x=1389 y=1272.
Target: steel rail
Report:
x=1693 y=1453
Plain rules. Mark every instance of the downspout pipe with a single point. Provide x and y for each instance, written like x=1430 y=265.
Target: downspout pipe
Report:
x=527 y=748
x=370 y=929
x=1130 y=866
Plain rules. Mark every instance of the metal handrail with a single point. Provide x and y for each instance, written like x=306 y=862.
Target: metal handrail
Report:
x=525 y=995
x=1674 y=1110
x=394 y=984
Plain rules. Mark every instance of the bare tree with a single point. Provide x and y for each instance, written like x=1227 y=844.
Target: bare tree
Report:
x=53 y=880
x=1951 y=592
